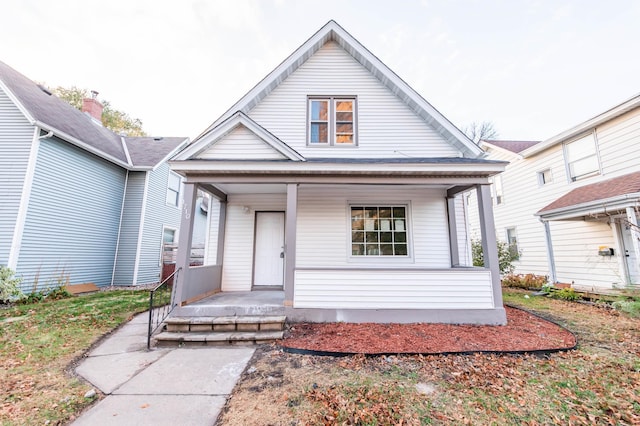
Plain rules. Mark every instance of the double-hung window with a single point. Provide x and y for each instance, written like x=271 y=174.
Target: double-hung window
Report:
x=332 y=121
x=173 y=189
x=379 y=230
x=512 y=242
x=582 y=158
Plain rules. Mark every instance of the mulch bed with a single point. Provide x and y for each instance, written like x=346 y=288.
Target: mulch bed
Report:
x=524 y=332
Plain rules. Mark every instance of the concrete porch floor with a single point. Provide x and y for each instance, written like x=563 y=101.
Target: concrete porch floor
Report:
x=235 y=303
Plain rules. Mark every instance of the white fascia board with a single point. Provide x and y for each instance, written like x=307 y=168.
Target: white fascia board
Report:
x=333 y=31
x=126 y=151
x=229 y=125
x=500 y=149
x=585 y=126
x=80 y=144
x=17 y=103
x=247 y=167
x=25 y=197
x=606 y=205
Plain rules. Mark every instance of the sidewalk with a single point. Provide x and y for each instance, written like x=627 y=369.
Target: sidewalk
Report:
x=169 y=386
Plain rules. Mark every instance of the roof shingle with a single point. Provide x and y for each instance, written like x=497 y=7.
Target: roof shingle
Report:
x=514 y=146
x=622 y=185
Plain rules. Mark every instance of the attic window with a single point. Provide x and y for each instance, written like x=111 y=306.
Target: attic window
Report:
x=332 y=121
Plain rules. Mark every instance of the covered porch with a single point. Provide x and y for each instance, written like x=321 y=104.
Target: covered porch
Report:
x=420 y=270
x=612 y=204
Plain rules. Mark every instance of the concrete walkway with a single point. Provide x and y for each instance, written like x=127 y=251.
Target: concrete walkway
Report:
x=171 y=386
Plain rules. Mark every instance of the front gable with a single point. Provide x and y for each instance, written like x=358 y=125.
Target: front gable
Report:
x=393 y=120
x=385 y=126
x=238 y=138
x=240 y=144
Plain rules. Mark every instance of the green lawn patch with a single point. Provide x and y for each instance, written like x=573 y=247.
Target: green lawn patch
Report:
x=38 y=342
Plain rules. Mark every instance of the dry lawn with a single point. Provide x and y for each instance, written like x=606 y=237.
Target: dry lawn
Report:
x=599 y=383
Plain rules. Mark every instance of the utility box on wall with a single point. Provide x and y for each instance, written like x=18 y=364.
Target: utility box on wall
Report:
x=605 y=251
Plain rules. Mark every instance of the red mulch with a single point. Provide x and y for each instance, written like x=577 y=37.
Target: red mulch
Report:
x=523 y=332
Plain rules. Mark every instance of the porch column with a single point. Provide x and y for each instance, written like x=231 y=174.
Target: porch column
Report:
x=489 y=242
x=291 y=219
x=184 y=240
x=222 y=223
x=550 y=257
x=453 y=231
x=634 y=230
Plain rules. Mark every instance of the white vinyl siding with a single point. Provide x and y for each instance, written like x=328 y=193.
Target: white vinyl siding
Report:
x=323 y=237
x=386 y=126
x=16 y=135
x=389 y=289
x=575 y=243
x=240 y=144
x=239 y=235
x=73 y=217
x=157 y=215
x=129 y=229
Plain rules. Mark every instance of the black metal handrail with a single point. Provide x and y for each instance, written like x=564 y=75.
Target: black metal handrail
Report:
x=161 y=303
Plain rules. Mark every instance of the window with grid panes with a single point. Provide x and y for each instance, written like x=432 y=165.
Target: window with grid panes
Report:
x=332 y=121
x=379 y=231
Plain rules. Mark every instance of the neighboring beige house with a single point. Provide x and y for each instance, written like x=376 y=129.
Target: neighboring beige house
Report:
x=570 y=203
x=337 y=187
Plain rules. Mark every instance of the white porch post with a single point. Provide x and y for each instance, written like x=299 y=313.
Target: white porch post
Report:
x=489 y=242
x=550 y=257
x=291 y=218
x=453 y=231
x=184 y=240
x=634 y=231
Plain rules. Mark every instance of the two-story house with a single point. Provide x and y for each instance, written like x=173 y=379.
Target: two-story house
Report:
x=334 y=183
x=569 y=204
x=79 y=203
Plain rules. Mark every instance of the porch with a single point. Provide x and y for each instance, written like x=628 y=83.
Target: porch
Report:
x=355 y=248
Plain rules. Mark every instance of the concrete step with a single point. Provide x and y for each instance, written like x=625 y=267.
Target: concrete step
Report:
x=168 y=338
x=225 y=323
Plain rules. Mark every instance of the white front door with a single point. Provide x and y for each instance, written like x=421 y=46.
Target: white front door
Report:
x=630 y=255
x=268 y=257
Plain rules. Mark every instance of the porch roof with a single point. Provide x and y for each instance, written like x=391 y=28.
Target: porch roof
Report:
x=599 y=198
x=342 y=167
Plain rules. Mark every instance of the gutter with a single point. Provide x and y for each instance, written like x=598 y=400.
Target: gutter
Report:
x=575 y=209
x=82 y=145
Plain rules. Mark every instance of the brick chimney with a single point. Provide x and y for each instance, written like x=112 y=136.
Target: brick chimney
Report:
x=93 y=107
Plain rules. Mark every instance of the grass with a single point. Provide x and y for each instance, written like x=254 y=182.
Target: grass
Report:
x=39 y=341
x=599 y=383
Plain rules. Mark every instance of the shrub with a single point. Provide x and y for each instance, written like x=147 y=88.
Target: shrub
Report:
x=566 y=294
x=9 y=290
x=528 y=281
x=506 y=256
x=631 y=307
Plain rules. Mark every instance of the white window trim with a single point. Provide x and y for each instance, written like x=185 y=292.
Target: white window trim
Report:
x=385 y=260
x=498 y=198
x=506 y=234
x=175 y=240
x=332 y=121
x=540 y=175
x=180 y=190
x=598 y=172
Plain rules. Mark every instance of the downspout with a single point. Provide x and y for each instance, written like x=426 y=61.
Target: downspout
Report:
x=550 y=258
x=115 y=257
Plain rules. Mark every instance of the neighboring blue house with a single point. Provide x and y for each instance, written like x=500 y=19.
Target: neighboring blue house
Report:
x=79 y=203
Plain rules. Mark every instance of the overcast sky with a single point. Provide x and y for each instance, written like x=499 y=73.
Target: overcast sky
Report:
x=534 y=68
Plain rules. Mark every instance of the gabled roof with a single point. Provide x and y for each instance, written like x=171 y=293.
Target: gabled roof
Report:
x=238 y=119
x=610 y=114
x=51 y=113
x=334 y=32
x=607 y=193
x=515 y=147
